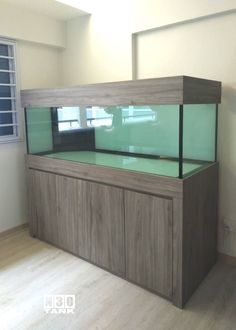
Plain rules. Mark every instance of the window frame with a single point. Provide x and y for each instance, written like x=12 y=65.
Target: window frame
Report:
x=16 y=113
x=90 y=120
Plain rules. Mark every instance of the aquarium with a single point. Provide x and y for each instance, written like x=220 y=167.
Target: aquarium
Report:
x=167 y=140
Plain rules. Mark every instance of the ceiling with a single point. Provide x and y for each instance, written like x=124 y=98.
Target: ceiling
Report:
x=50 y=8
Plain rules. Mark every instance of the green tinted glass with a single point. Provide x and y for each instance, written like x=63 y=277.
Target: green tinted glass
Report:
x=139 y=164
x=199 y=132
x=39 y=129
x=150 y=129
x=134 y=138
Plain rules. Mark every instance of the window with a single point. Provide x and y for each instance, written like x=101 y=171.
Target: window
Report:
x=134 y=114
x=68 y=118
x=9 y=129
x=72 y=118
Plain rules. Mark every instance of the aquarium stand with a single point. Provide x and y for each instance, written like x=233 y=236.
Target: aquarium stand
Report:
x=157 y=232
x=111 y=206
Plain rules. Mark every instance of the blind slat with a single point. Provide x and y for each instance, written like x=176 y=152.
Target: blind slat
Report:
x=7 y=98
x=8 y=71
x=8 y=125
x=8 y=85
x=8 y=111
x=9 y=128
x=7 y=57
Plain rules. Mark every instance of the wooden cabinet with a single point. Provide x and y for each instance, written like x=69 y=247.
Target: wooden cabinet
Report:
x=53 y=208
x=149 y=241
x=97 y=221
x=67 y=206
x=155 y=231
x=43 y=213
x=101 y=226
x=79 y=216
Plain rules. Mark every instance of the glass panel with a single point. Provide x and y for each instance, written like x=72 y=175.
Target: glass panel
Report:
x=4 y=64
x=135 y=138
x=39 y=129
x=4 y=78
x=146 y=130
x=4 y=50
x=5 y=91
x=71 y=118
x=158 y=166
x=199 y=132
x=5 y=118
x=6 y=131
x=68 y=118
x=5 y=105
x=97 y=116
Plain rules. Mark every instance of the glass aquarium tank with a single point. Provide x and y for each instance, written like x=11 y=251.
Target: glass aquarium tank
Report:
x=119 y=167
x=166 y=140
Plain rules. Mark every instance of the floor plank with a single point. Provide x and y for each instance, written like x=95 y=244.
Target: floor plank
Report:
x=30 y=269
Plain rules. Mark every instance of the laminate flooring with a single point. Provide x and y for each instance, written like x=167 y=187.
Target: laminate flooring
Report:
x=31 y=269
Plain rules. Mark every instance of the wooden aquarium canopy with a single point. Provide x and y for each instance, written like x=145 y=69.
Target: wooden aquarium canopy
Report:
x=169 y=90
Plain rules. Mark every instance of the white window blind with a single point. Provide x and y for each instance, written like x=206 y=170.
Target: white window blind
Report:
x=9 y=129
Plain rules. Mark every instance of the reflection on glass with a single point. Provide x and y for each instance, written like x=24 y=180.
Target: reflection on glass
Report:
x=199 y=131
x=138 y=138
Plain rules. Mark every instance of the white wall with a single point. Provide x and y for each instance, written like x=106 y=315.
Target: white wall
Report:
x=99 y=46
x=205 y=48
x=99 y=49
x=39 y=66
x=95 y=52
x=21 y=24
x=152 y=13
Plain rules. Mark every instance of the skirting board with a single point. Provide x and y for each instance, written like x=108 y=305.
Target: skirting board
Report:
x=13 y=230
x=227 y=259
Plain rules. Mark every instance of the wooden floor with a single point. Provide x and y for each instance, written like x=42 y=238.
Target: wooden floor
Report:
x=30 y=269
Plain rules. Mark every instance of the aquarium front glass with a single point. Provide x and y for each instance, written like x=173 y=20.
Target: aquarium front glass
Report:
x=135 y=138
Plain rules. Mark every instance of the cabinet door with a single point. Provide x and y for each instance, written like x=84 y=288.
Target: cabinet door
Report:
x=148 y=228
x=79 y=216
x=67 y=206
x=31 y=199
x=43 y=205
x=53 y=208
x=101 y=226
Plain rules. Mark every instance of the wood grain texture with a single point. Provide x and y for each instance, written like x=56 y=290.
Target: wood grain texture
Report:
x=31 y=202
x=200 y=217
x=148 y=230
x=167 y=90
x=101 y=226
x=201 y=91
x=178 y=252
x=81 y=217
x=43 y=205
x=53 y=209
x=31 y=269
x=67 y=207
x=154 y=184
x=168 y=238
